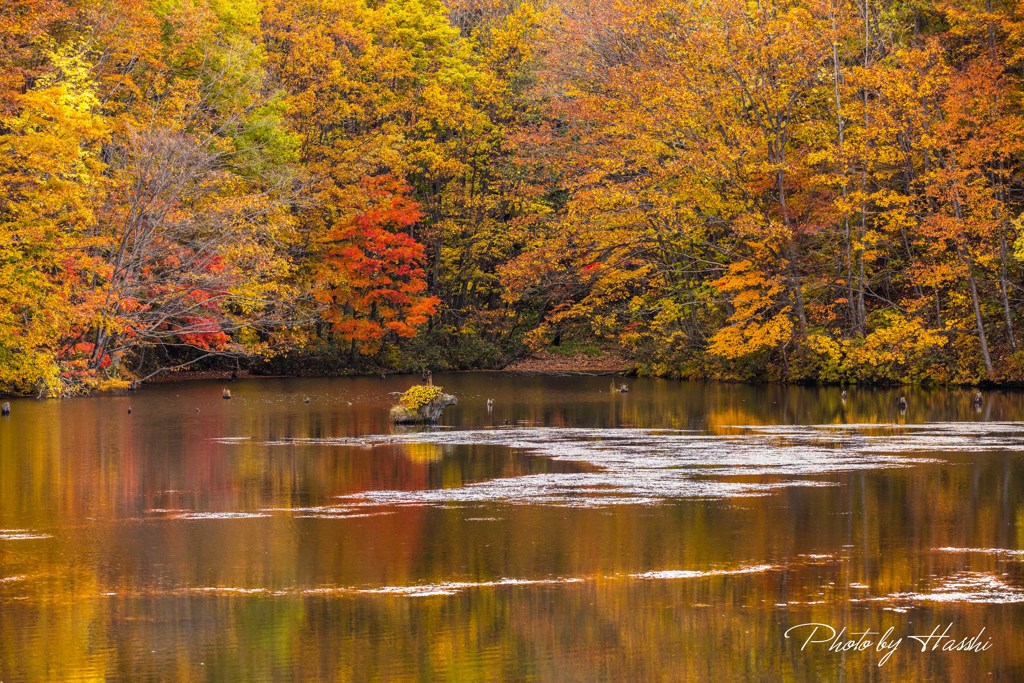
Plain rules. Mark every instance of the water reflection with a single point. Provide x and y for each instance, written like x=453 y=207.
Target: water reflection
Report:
x=675 y=531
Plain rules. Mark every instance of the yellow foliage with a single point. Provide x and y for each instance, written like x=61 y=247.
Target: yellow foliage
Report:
x=111 y=385
x=738 y=340
x=760 y=320
x=420 y=395
x=899 y=349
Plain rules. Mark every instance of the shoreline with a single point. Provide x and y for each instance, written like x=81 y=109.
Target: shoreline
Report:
x=607 y=363
x=543 y=363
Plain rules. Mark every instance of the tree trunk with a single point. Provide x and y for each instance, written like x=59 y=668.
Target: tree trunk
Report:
x=793 y=276
x=852 y=299
x=861 y=308
x=1004 y=290
x=989 y=370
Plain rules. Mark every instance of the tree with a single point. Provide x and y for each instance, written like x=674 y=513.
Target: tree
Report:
x=370 y=274
x=50 y=175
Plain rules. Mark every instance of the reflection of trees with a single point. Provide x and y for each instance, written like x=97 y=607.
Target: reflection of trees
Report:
x=90 y=476
x=663 y=404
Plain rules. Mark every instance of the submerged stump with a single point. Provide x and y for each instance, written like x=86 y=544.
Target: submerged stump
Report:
x=421 y=404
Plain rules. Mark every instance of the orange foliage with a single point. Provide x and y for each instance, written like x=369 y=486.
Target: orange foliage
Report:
x=370 y=275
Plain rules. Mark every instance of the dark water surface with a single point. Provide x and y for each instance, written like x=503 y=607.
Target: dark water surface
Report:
x=675 y=532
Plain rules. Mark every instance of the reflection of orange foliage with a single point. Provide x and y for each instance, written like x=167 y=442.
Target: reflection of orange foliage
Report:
x=87 y=473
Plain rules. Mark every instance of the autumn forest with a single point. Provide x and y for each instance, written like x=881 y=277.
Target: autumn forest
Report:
x=795 y=190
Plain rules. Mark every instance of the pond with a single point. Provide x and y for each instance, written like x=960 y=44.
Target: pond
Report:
x=679 y=531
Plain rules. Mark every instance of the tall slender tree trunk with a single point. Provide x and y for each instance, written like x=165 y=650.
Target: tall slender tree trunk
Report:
x=965 y=258
x=856 y=322
x=985 y=357
x=1000 y=190
x=1004 y=289
x=861 y=307
x=793 y=274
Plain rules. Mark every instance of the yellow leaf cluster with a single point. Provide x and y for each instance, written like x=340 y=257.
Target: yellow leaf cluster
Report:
x=420 y=395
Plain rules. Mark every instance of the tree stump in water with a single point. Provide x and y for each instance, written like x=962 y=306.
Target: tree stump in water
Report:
x=421 y=405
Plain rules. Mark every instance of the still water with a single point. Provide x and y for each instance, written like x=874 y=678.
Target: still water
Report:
x=676 y=532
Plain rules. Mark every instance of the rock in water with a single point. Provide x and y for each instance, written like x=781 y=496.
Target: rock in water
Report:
x=426 y=414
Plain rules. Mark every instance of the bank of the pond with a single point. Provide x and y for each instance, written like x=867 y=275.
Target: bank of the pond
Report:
x=607 y=362
x=568 y=360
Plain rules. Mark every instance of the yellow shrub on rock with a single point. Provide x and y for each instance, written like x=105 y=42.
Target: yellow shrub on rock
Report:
x=418 y=396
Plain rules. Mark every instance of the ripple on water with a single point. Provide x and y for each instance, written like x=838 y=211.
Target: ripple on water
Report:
x=630 y=466
x=643 y=467
x=328 y=512
x=999 y=552
x=22 y=535
x=696 y=574
x=438 y=588
x=217 y=515
x=967 y=587
x=454 y=587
